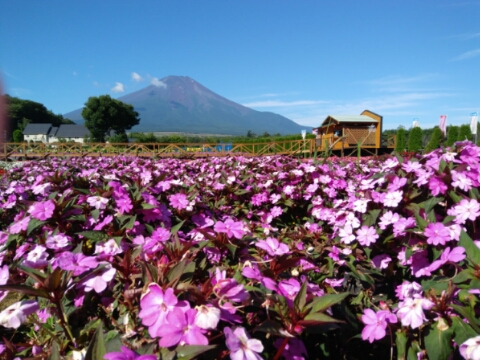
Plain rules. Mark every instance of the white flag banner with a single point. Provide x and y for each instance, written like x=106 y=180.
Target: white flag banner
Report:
x=473 y=122
x=416 y=123
x=443 y=124
x=304 y=133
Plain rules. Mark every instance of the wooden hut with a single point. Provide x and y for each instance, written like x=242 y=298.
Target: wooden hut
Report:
x=345 y=132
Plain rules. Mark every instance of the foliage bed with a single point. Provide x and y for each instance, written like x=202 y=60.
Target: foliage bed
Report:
x=242 y=257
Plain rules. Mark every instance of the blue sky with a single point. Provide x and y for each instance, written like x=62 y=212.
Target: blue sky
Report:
x=301 y=59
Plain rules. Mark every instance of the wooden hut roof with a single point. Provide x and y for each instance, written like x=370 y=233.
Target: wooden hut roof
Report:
x=338 y=119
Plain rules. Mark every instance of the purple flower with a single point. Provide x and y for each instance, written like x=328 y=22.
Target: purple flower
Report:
x=16 y=314
x=230 y=227
x=241 y=346
x=19 y=226
x=127 y=354
x=42 y=210
x=161 y=234
x=273 y=247
x=376 y=324
x=454 y=255
x=57 y=241
x=228 y=288
x=381 y=261
x=124 y=204
x=437 y=234
x=180 y=328
x=409 y=290
x=155 y=305
x=37 y=257
x=294 y=350
x=366 y=235
x=78 y=263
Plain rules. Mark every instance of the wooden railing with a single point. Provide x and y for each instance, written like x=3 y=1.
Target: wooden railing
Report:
x=40 y=150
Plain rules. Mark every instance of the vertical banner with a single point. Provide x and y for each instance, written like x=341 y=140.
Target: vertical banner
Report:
x=473 y=122
x=443 y=124
x=304 y=133
x=416 y=123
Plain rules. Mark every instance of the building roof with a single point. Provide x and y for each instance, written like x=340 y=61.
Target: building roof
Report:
x=53 y=131
x=349 y=119
x=72 y=131
x=37 y=129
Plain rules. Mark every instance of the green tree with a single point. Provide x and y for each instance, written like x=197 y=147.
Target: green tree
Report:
x=465 y=133
x=401 y=144
x=118 y=138
x=103 y=114
x=452 y=135
x=415 y=140
x=435 y=140
x=18 y=136
x=21 y=112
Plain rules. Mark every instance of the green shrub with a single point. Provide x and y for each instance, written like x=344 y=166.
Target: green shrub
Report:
x=415 y=140
x=401 y=140
x=435 y=140
x=465 y=133
x=452 y=135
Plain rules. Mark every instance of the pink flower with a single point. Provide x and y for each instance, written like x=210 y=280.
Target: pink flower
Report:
x=241 y=346
x=454 y=255
x=437 y=186
x=410 y=311
x=346 y=234
x=178 y=201
x=16 y=314
x=381 y=261
x=466 y=210
x=124 y=204
x=42 y=210
x=155 y=305
x=437 y=234
x=180 y=328
x=19 y=226
x=100 y=280
x=376 y=324
x=273 y=247
x=127 y=354
x=367 y=235
x=230 y=227
x=228 y=288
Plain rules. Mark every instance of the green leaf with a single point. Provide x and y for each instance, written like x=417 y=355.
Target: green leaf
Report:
x=24 y=289
x=191 y=351
x=177 y=227
x=130 y=223
x=95 y=214
x=324 y=302
x=463 y=276
x=462 y=331
x=317 y=318
x=455 y=197
x=439 y=284
x=95 y=236
x=177 y=271
x=34 y=224
x=55 y=352
x=438 y=342
x=301 y=298
x=401 y=342
x=430 y=204
x=472 y=251
x=468 y=314
x=271 y=327
x=96 y=350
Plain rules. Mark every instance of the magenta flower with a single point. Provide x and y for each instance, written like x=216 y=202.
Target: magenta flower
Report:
x=178 y=201
x=437 y=234
x=124 y=204
x=454 y=255
x=381 y=261
x=376 y=324
x=241 y=346
x=78 y=263
x=42 y=210
x=155 y=305
x=273 y=247
x=410 y=311
x=127 y=354
x=367 y=235
x=226 y=288
x=16 y=314
x=230 y=227
x=180 y=328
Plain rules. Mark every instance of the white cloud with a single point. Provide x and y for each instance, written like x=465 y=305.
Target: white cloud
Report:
x=74 y=73
x=467 y=55
x=118 y=88
x=136 y=77
x=278 y=103
x=158 y=83
x=96 y=84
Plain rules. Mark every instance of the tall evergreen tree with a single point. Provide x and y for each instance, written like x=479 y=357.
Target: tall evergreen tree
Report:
x=465 y=133
x=415 y=140
x=435 y=140
x=452 y=135
x=401 y=144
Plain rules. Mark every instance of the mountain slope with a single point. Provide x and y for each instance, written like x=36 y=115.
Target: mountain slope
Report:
x=180 y=104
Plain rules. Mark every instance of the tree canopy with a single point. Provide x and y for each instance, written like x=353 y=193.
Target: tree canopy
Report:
x=401 y=140
x=21 y=112
x=415 y=140
x=103 y=114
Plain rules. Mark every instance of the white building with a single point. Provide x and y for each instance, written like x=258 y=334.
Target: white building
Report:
x=48 y=134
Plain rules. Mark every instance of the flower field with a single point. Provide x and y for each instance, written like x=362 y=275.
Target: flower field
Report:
x=242 y=258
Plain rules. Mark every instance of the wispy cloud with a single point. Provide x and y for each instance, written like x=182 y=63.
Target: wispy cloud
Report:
x=278 y=103
x=467 y=55
x=96 y=84
x=158 y=83
x=74 y=73
x=466 y=36
x=136 y=77
x=398 y=83
x=118 y=88
x=20 y=91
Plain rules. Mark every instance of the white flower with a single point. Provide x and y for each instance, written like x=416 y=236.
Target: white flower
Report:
x=207 y=317
x=16 y=314
x=470 y=349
